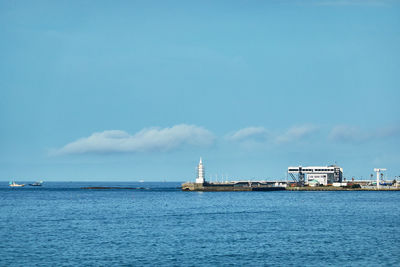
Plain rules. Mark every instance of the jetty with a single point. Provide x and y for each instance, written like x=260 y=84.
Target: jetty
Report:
x=342 y=188
x=231 y=186
x=311 y=178
x=202 y=185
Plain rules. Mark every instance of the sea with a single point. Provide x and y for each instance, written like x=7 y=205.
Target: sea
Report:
x=156 y=224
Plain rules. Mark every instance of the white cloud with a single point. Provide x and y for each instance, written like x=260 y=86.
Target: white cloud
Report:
x=353 y=134
x=295 y=133
x=388 y=132
x=255 y=133
x=263 y=135
x=150 y=139
x=348 y=134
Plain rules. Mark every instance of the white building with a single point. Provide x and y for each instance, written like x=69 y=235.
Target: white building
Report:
x=320 y=178
x=200 y=173
x=321 y=174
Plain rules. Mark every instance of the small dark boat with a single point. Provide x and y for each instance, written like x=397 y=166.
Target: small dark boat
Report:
x=37 y=183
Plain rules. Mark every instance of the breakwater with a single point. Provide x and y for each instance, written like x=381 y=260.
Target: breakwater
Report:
x=231 y=186
x=334 y=188
x=258 y=186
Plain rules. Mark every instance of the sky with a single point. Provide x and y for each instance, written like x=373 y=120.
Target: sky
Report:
x=140 y=90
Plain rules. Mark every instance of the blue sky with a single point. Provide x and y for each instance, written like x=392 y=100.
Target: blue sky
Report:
x=139 y=90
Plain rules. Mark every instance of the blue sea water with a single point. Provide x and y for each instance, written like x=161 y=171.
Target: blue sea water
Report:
x=62 y=224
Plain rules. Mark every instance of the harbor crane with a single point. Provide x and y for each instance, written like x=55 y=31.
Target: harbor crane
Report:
x=377 y=176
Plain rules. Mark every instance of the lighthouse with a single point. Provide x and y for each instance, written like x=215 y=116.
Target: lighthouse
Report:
x=200 y=173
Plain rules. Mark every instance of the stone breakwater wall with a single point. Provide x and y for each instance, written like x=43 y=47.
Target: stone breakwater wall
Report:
x=333 y=188
x=233 y=187
x=228 y=187
x=200 y=187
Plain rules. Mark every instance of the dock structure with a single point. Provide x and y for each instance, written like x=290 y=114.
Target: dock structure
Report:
x=314 y=178
x=342 y=188
x=202 y=185
x=232 y=186
x=269 y=186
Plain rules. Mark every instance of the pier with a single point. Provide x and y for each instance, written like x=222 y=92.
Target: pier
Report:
x=231 y=186
x=335 y=188
x=312 y=178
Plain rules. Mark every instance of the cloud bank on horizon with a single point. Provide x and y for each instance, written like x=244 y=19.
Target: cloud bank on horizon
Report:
x=166 y=139
x=148 y=139
x=353 y=134
x=256 y=133
x=262 y=134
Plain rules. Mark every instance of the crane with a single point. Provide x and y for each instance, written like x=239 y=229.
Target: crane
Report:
x=377 y=175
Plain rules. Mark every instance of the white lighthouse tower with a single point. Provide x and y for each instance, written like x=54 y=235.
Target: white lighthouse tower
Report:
x=200 y=173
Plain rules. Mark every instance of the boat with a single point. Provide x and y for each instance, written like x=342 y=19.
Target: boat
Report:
x=37 y=183
x=14 y=184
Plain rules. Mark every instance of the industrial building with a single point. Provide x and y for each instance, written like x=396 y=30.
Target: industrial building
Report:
x=316 y=175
